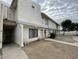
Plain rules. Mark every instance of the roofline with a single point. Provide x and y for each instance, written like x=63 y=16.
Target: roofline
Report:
x=49 y=18
x=13 y=1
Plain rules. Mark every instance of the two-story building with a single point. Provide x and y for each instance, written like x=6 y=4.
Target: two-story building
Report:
x=51 y=25
x=23 y=22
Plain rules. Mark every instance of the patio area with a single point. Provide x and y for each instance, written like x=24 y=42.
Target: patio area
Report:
x=50 y=50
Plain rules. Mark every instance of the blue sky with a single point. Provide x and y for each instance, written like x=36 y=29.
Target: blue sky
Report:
x=59 y=10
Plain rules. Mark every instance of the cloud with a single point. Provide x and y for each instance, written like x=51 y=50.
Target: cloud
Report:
x=60 y=9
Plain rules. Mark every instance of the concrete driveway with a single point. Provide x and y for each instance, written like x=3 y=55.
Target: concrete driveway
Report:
x=0 y=53
x=13 y=51
x=50 y=50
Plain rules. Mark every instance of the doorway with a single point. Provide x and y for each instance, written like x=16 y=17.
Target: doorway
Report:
x=42 y=36
x=45 y=33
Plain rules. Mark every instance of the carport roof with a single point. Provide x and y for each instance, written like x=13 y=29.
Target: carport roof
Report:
x=9 y=23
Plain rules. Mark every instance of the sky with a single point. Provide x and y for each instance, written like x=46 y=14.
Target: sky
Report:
x=58 y=10
x=8 y=1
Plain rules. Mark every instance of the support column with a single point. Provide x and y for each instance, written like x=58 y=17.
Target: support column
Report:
x=1 y=32
x=39 y=33
x=21 y=25
x=19 y=34
x=1 y=26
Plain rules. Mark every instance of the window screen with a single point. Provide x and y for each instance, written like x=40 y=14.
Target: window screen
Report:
x=33 y=33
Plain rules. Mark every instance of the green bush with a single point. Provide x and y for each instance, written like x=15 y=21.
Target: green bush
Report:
x=52 y=35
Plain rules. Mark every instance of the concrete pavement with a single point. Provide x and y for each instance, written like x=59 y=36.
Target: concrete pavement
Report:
x=13 y=51
x=0 y=53
x=58 y=41
x=51 y=50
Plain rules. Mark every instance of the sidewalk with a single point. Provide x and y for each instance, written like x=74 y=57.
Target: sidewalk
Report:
x=13 y=51
x=72 y=44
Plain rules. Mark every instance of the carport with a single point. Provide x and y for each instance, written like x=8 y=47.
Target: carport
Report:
x=8 y=31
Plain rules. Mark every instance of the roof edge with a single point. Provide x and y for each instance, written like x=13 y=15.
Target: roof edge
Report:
x=13 y=4
x=49 y=18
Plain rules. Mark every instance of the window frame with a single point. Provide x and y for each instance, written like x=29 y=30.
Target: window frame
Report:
x=33 y=33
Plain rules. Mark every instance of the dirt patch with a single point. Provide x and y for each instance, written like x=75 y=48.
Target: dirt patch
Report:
x=50 y=50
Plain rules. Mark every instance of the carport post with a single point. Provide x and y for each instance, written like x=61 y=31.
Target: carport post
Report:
x=21 y=35
x=1 y=25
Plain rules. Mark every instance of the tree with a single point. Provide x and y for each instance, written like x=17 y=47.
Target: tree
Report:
x=66 y=25
x=74 y=27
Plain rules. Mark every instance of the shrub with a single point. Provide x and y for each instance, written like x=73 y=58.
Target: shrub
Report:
x=52 y=35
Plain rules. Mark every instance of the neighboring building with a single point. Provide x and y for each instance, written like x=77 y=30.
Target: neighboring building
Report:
x=23 y=22
x=51 y=25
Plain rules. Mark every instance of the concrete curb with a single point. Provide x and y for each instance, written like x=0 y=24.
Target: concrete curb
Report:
x=72 y=44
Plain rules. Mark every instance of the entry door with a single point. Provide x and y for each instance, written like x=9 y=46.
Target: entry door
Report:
x=45 y=33
x=41 y=33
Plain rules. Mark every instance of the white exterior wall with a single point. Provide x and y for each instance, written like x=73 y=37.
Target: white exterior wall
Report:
x=25 y=34
x=26 y=38
x=4 y=11
x=40 y=33
x=51 y=25
x=44 y=23
x=8 y=13
x=19 y=35
x=25 y=12
x=1 y=25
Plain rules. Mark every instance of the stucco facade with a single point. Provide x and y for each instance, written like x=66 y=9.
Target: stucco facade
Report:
x=1 y=25
x=28 y=17
x=50 y=24
x=30 y=24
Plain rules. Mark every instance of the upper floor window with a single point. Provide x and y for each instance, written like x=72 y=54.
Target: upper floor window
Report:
x=46 y=22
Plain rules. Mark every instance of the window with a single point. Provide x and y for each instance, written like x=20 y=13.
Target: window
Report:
x=33 y=33
x=46 y=22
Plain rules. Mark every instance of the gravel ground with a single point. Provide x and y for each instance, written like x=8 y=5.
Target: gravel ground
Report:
x=50 y=50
